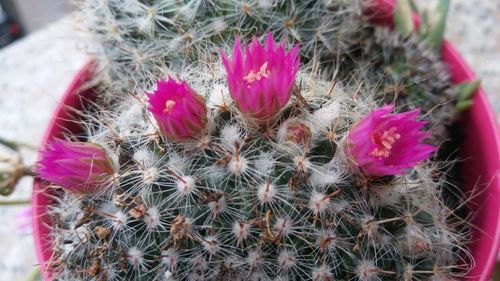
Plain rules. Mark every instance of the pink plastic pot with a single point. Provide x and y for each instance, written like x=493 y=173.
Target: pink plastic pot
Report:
x=481 y=149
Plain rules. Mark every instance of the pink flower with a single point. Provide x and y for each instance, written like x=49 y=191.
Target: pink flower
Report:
x=179 y=111
x=23 y=220
x=385 y=144
x=261 y=78
x=77 y=166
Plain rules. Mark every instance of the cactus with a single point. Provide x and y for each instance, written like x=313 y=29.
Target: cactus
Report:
x=232 y=192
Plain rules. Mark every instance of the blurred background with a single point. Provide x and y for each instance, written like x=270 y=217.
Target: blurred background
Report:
x=42 y=47
x=20 y=17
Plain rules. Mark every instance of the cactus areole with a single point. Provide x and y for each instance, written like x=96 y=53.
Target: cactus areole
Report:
x=263 y=161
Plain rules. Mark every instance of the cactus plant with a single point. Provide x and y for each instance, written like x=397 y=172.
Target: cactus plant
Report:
x=247 y=167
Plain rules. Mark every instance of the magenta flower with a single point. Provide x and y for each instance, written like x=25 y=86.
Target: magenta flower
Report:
x=77 y=166
x=386 y=144
x=23 y=220
x=260 y=78
x=179 y=111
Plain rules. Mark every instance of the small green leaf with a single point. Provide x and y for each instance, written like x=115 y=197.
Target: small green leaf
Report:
x=34 y=275
x=467 y=89
x=435 y=36
x=463 y=105
x=424 y=24
x=403 y=17
x=414 y=6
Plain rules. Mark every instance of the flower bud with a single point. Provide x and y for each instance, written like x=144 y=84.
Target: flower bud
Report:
x=77 y=166
x=261 y=78
x=179 y=111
